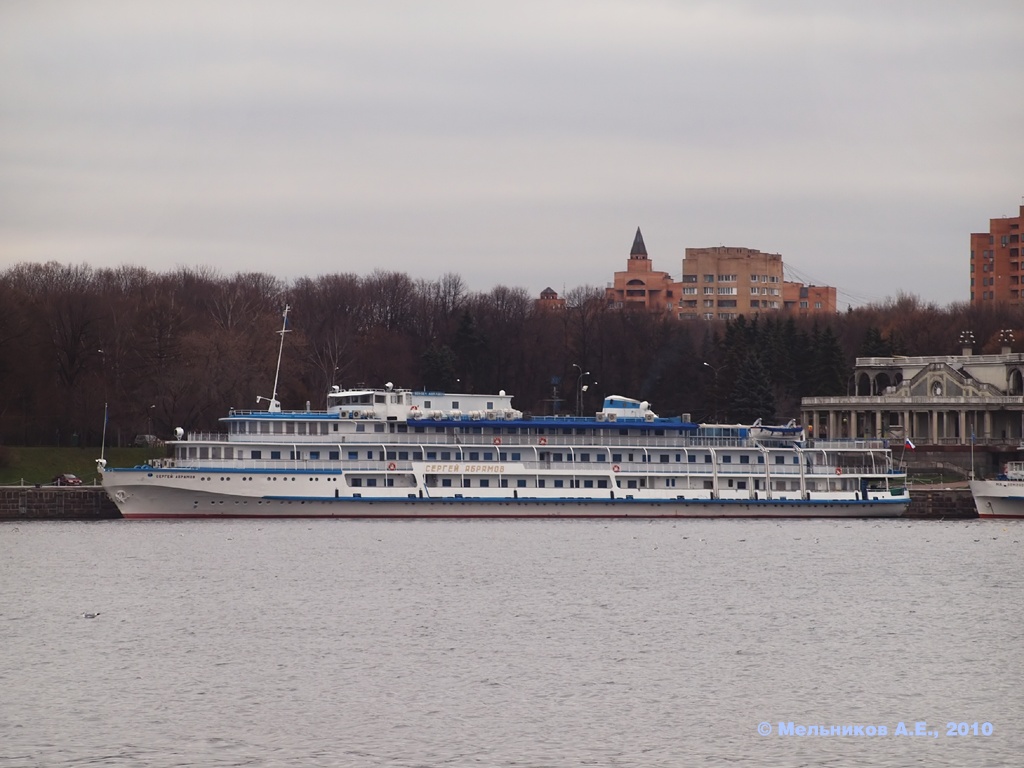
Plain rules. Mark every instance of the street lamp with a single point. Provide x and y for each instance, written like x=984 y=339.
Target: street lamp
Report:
x=579 y=388
x=715 y=371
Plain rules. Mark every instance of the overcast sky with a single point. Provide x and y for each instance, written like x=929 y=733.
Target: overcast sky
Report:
x=515 y=143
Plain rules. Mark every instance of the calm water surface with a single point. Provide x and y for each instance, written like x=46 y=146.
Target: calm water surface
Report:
x=508 y=643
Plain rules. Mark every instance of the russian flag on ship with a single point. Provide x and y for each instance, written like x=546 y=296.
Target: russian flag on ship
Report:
x=910 y=444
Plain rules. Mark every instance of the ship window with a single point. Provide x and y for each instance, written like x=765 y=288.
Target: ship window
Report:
x=257 y=455
x=379 y=399
x=616 y=457
x=357 y=482
x=419 y=430
x=426 y=404
x=466 y=483
x=541 y=483
x=588 y=483
x=707 y=458
x=275 y=455
x=378 y=427
x=352 y=455
x=369 y=454
x=278 y=428
x=446 y=455
x=485 y=483
x=264 y=428
x=360 y=427
x=490 y=406
x=516 y=456
x=780 y=459
x=602 y=483
x=323 y=428
x=301 y=426
x=417 y=456
x=520 y=483
x=663 y=458
x=215 y=453
x=431 y=455
x=455 y=404
x=391 y=456
x=744 y=459
x=760 y=458
x=503 y=483
x=334 y=428
x=371 y=482
x=403 y=455
x=474 y=455
x=446 y=483
x=741 y=485
x=727 y=459
x=314 y=455
x=488 y=456
x=559 y=484
x=584 y=457
x=293 y=455
x=290 y=427
x=556 y=457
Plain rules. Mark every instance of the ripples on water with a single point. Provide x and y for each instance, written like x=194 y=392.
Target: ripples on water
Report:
x=507 y=643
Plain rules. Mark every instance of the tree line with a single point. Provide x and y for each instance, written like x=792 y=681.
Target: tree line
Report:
x=131 y=352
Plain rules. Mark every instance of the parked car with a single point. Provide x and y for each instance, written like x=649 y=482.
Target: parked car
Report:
x=67 y=479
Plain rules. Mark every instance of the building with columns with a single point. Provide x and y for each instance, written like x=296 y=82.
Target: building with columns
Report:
x=934 y=401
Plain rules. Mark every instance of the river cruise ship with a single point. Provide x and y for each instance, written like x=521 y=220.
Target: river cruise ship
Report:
x=391 y=452
x=1001 y=497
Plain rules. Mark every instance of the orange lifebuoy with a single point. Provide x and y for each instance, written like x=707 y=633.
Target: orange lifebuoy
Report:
x=615 y=467
x=391 y=466
x=839 y=471
x=543 y=441
x=497 y=441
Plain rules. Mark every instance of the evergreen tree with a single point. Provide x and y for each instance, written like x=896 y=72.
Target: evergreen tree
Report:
x=439 y=368
x=752 y=396
x=830 y=369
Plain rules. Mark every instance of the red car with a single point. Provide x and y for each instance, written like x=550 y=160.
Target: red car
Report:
x=67 y=479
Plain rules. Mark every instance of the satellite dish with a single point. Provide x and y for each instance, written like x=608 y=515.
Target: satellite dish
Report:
x=178 y=433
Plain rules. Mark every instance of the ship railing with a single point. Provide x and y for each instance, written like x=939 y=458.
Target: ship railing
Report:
x=540 y=442
x=848 y=443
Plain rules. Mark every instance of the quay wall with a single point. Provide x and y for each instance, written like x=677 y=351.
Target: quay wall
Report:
x=91 y=503
x=48 y=502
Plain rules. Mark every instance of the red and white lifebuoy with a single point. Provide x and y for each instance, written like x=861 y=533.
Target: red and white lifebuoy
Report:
x=414 y=407
x=839 y=471
x=616 y=467
x=497 y=441
x=392 y=466
x=543 y=441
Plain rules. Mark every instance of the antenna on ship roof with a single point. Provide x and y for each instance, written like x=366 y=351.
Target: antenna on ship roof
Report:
x=275 y=406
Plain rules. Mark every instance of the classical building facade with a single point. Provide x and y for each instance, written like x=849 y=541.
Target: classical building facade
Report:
x=996 y=273
x=952 y=400
x=717 y=283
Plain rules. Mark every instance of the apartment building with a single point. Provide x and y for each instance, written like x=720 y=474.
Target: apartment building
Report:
x=717 y=283
x=996 y=273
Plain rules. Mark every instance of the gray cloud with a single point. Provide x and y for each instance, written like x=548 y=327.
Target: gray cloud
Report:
x=513 y=143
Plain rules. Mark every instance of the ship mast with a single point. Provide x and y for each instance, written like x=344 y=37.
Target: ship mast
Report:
x=275 y=405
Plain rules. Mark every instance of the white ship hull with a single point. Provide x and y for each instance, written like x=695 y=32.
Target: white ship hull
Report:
x=143 y=493
x=999 y=499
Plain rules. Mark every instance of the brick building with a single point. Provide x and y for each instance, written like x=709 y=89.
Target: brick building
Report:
x=996 y=262
x=717 y=283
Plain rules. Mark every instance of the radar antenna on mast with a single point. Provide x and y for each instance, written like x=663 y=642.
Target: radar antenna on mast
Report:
x=274 y=405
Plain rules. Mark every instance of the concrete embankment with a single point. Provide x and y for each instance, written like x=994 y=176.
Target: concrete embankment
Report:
x=48 y=502
x=91 y=503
